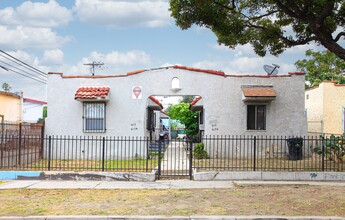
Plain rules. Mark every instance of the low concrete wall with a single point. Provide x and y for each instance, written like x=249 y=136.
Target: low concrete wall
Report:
x=94 y=176
x=259 y=175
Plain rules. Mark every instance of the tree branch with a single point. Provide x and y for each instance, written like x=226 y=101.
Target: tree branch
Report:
x=328 y=8
x=286 y=40
x=259 y=17
x=286 y=9
x=233 y=6
x=339 y=36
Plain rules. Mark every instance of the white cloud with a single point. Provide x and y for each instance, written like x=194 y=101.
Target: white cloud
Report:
x=52 y=57
x=245 y=65
x=145 y=13
x=22 y=37
x=301 y=49
x=114 y=63
x=134 y=57
x=37 y=14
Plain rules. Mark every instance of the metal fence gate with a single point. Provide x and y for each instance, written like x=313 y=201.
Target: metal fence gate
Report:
x=175 y=159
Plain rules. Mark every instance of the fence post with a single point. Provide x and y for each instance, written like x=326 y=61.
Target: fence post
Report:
x=159 y=157
x=254 y=154
x=323 y=154
x=103 y=153
x=42 y=142
x=20 y=143
x=190 y=160
x=49 y=151
x=147 y=154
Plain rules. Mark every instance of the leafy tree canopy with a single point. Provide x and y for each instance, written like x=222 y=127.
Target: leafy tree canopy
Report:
x=321 y=66
x=187 y=117
x=6 y=87
x=187 y=98
x=270 y=25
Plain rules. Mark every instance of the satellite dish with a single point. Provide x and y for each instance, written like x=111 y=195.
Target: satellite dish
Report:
x=271 y=70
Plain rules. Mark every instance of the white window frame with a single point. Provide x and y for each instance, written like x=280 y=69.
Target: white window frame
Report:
x=256 y=128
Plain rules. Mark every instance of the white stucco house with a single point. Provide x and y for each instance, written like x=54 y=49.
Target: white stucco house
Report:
x=124 y=105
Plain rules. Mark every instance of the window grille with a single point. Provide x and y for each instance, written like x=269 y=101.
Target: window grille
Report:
x=94 y=117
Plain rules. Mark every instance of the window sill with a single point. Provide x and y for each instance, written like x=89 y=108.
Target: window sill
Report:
x=103 y=131
x=256 y=130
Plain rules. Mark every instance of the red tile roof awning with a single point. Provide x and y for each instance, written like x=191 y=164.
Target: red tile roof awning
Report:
x=257 y=93
x=92 y=93
x=155 y=104
x=196 y=104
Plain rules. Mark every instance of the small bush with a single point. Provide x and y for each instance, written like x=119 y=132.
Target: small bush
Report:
x=199 y=152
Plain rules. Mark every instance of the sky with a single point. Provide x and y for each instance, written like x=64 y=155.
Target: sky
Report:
x=63 y=35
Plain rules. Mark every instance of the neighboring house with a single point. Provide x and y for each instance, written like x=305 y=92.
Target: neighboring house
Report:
x=123 y=105
x=32 y=109
x=11 y=106
x=325 y=108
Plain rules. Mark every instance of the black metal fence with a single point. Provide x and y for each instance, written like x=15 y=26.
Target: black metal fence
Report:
x=139 y=154
x=20 y=143
x=263 y=153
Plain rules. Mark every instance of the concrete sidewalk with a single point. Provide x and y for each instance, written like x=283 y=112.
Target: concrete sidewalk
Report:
x=160 y=184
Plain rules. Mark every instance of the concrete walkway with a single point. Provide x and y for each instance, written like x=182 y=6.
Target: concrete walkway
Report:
x=175 y=161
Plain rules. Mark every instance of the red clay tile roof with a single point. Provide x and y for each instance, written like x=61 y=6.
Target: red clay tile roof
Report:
x=258 y=92
x=92 y=93
x=35 y=101
x=219 y=73
x=214 y=72
x=194 y=101
x=156 y=101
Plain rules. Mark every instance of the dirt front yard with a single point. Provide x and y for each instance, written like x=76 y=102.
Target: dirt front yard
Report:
x=286 y=200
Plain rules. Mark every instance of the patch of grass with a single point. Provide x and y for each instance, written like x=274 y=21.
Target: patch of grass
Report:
x=136 y=164
x=181 y=212
x=248 y=200
x=267 y=164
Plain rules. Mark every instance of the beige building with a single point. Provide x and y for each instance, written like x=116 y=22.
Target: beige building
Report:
x=325 y=107
x=11 y=106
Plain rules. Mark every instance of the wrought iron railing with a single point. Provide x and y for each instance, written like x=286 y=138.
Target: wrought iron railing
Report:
x=139 y=154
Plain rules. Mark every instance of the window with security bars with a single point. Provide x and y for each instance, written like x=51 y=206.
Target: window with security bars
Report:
x=94 y=116
x=256 y=117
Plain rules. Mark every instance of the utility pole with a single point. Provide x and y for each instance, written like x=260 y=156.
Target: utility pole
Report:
x=93 y=64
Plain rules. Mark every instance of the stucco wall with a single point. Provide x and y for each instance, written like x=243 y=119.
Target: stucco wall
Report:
x=314 y=106
x=326 y=103
x=225 y=112
x=334 y=103
x=10 y=107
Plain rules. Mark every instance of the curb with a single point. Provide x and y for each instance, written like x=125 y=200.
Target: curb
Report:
x=83 y=176
x=174 y=217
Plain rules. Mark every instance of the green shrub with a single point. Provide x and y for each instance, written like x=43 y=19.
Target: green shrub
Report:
x=199 y=151
x=334 y=148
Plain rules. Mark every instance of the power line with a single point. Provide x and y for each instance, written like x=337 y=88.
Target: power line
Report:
x=38 y=80
x=31 y=67
x=34 y=74
x=38 y=77
x=18 y=63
